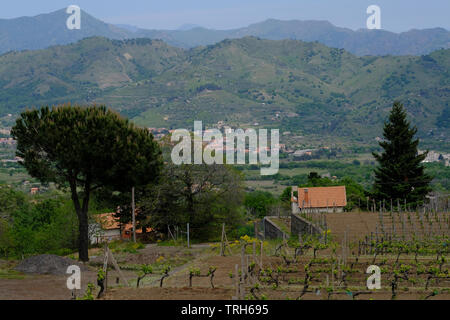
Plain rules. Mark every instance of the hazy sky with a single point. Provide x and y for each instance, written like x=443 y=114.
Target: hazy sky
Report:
x=396 y=15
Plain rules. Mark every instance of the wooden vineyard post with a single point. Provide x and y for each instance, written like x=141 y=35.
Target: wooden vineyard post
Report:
x=243 y=272
x=393 y=231
x=188 y=235
x=222 y=244
x=246 y=269
x=332 y=276
x=261 y=259
x=242 y=278
x=116 y=266
x=236 y=282
x=105 y=267
x=254 y=251
x=170 y=232
x=371 y=243
x=133 y=215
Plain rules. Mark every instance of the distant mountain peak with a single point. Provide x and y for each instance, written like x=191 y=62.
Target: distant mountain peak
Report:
x=21 y=34
x=189 y=26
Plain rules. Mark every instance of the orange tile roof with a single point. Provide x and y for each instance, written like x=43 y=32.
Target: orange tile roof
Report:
x=108 y=221
x=322 y=197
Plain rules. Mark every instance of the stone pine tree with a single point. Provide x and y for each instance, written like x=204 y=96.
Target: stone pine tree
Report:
x=400 y=173
x=83 y=149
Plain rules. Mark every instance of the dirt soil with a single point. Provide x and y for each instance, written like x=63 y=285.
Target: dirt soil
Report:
x=31 y=286
x=183 y=293
x=176 y=286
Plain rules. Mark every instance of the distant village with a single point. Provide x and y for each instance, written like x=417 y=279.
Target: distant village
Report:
x=160 y=133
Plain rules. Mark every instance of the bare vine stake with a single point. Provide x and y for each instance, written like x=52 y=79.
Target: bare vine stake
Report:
x=254 y=252
x=222 y=244
x=188 y=235
x=261 y=259
x=242 y=284
x=116 y=266
x=236 y=280
x=332 y=275
x=242 y=262
x=246 y=269
x=170 y=232
x=393 y=226
x=105 y=266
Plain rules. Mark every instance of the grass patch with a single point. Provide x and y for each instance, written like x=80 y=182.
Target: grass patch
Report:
x=11 y=274
x=282 y=224
x=125 y=246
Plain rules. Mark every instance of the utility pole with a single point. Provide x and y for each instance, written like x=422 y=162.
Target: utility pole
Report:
x=188 y=235
x=133 y=214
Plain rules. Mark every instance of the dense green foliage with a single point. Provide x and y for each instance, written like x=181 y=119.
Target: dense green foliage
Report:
x=400 y=173
x=47 y=227
x=36 y=225
x=205 y=196
x=258 y=203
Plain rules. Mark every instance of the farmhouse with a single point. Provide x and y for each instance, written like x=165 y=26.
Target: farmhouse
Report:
x=107 y=228
x=319 y=199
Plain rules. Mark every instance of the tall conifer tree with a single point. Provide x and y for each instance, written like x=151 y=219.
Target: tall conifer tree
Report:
x=400 y=173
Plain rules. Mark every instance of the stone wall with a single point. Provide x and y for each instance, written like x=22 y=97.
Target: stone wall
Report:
x=272 y=231
x=302 y=226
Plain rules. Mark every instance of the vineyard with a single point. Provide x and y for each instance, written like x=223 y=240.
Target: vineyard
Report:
x=409 y=250
x=314 y=269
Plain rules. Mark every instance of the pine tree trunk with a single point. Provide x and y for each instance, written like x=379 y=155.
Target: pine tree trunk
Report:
x=83 y=240
x=83 y=224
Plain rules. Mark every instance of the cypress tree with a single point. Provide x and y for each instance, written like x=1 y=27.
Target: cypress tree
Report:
x=400 y=173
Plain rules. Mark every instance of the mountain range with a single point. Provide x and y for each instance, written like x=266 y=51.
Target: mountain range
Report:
x=293 y=85
x=42 y=31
